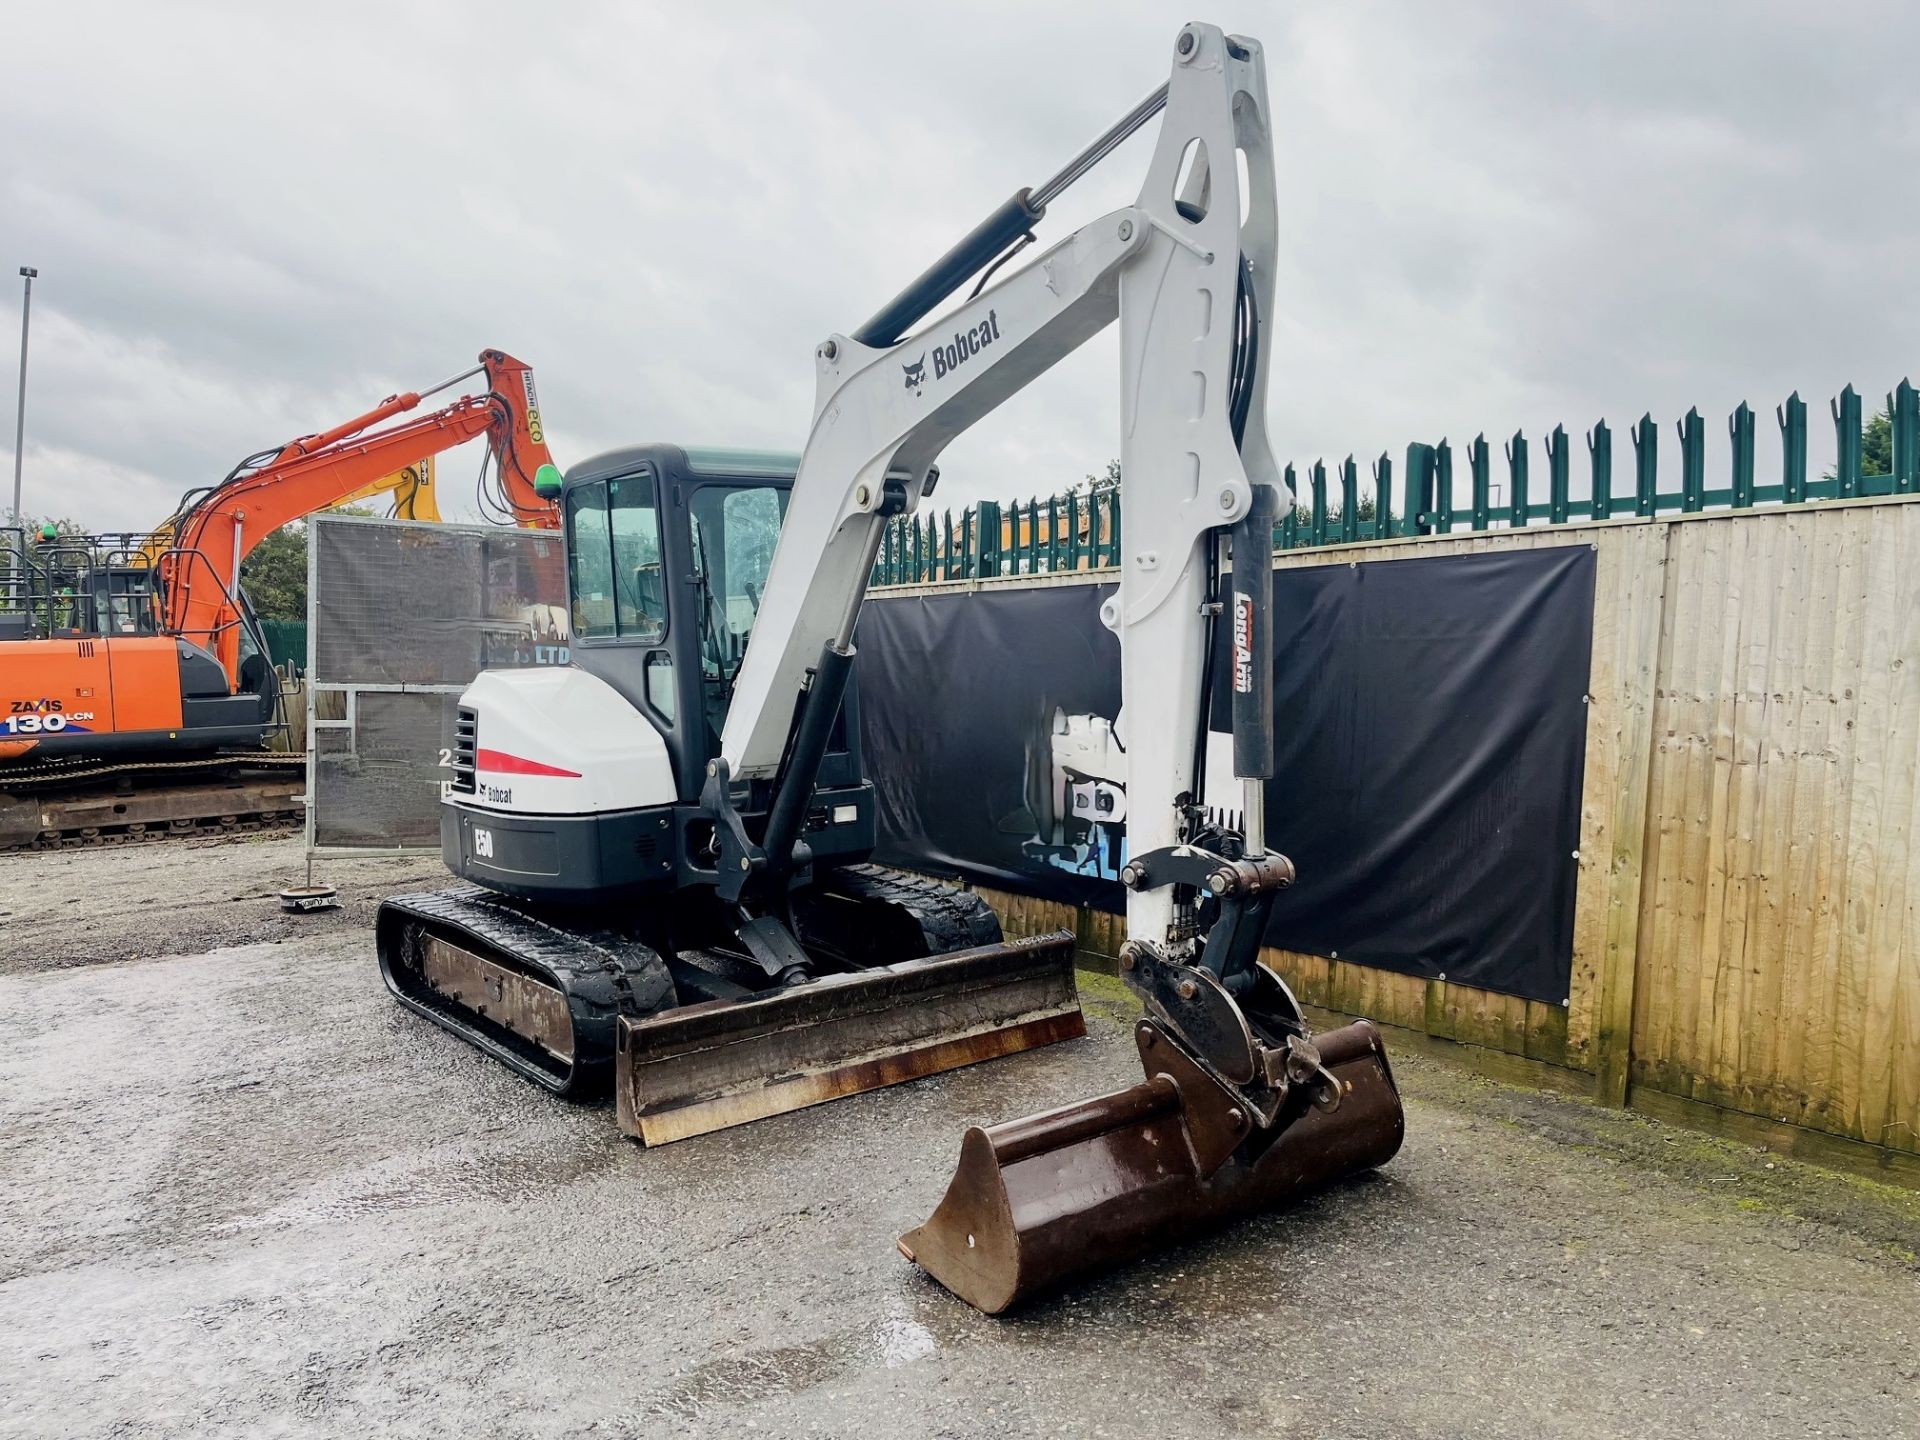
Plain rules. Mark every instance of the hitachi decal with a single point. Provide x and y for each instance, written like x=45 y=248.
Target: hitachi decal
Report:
x=533 y=410
x=965 y=345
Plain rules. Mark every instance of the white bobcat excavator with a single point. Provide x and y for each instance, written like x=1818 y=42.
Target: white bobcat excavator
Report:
x=665 y=840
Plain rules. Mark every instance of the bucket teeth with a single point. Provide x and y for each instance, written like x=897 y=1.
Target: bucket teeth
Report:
x=705 y=1067
x=1037 y=1201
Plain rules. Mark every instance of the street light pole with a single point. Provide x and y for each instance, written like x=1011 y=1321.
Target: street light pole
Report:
x=27 y=272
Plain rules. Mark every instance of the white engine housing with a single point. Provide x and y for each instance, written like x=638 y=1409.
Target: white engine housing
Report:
x=560 y=741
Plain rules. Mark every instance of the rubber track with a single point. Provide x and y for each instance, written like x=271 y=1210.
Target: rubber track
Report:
x=602 y=975
x=574 y=954
x=950 y=919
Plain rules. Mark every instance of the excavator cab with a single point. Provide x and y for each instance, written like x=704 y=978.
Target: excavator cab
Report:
x=667 y=551
x=94 y=669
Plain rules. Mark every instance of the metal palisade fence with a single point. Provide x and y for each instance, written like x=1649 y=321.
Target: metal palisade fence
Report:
x=1080 y=530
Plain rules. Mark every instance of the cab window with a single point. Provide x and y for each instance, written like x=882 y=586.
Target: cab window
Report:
x=590 y=561
x=735 y=528
x=639 y=577
x=614 y=565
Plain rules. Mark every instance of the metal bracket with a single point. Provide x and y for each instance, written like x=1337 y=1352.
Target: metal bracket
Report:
x=773 y=947
x=740 y=860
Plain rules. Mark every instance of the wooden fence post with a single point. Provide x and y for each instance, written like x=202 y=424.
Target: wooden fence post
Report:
x=1627 y=682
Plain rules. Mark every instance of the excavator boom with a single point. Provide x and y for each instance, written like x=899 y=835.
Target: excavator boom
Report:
x=208 y=540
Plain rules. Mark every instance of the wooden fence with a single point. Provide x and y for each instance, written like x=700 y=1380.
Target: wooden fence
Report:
x=1747 y=922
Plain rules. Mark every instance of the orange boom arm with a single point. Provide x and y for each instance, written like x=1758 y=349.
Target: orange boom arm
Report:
x=207 y=542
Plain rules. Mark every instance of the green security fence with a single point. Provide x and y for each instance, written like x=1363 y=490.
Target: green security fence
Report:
x=1081 y=529
x=286 y=641
x=1075 y=531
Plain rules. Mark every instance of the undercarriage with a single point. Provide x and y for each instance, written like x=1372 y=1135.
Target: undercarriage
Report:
x=663 y=1005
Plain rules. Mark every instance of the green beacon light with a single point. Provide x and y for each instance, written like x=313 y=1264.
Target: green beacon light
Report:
x=546 y=482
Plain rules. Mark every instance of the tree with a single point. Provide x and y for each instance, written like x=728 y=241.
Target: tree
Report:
x=275 y=574
x=1876 y=445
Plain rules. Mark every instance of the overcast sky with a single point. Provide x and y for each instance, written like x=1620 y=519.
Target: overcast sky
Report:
x=253 y=221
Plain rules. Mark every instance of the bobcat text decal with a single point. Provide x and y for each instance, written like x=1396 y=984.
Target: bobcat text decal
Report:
x=966 y=344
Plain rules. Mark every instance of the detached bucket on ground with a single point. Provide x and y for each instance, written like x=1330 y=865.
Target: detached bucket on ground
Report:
x=1040 y=1200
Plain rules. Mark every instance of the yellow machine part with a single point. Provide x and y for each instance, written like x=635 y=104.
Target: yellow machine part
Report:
x=414 y=495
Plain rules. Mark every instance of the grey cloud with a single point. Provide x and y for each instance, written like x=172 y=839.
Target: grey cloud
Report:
x=253 y=222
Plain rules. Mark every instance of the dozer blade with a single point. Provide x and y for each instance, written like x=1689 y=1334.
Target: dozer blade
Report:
x=1039 y=1200
x=707 y=1066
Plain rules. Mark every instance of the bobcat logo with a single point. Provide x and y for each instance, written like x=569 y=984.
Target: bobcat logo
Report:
x=916 y=373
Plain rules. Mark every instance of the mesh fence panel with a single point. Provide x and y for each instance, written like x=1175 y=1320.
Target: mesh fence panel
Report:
x=401 y=616
x=377 y=780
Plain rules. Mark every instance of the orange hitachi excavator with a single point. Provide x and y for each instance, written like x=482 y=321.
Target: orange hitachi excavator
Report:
x=135 y=653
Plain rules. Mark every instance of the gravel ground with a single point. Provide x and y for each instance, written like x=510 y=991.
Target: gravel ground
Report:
x=242 y=1193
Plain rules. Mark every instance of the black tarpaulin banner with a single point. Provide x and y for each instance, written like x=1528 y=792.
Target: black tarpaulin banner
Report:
x=958 y=699
x=1431 y=724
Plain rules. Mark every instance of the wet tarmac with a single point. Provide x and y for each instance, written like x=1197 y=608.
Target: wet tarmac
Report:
x=242 y=1193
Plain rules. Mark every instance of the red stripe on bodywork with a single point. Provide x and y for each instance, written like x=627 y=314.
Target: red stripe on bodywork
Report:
x=501 y=763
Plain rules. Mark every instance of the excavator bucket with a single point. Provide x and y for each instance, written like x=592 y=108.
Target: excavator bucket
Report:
x=710 y=1065
x=1040 y=1200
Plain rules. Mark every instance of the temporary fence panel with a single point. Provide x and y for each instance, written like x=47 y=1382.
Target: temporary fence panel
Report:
x=401 y=616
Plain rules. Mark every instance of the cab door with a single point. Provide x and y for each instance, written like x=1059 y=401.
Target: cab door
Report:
x=619 y=578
